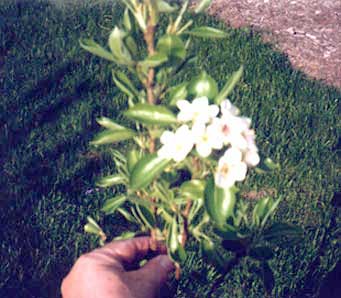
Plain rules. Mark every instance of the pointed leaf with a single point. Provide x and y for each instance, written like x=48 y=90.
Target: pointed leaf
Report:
x=125 y=236
x=133 y=157
x=175 y=250
x=126 y=20
x=180 y=16
x=146 y=170
x=261 y=209
x=207 y=32
x=267 y=165
x=111 y=205
x=146 y=216
x=202 y=6
x=171 y=46
x=123 y=82
x=110 y=181
x=109 y=136
x=109 y=124
x=203 y=85
x=151 y=114
x=271 y=165
x=118 y=48
x=176 y=93
x=229 y=86
x=278 y=230
x=92 y=227
x=272 y=206
x=154 y=60
x=261 y=253
x=163 y=6
x=268 y=278
x=211 y=253
x=126 y=215
x=193 y=189
x=219 y=202
x=227 y=232
x=94 y=48
x=234 y=245
x=131 y=46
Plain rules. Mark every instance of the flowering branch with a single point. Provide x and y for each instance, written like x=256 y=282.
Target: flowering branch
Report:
x=207 y=137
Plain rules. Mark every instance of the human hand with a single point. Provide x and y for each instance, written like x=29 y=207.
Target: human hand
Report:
x=102 y=273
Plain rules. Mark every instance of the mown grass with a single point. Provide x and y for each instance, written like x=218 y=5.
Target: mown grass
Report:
x=51 y=94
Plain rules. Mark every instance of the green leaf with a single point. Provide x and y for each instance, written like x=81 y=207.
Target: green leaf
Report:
x=110 y=181
x=118 y=48
x=111 y=205
x=126 y=20
x=202 y=6
x=227 y=232
x=271 y=165
x=131 y=45
x=207 y=32
x=146 y=170
x=163 y=6
x=172 y=46
x=229 y=86
x=261 y=253
x=272 y=206
x=125 y=235
x=219 y=202
x=154 y=60
x=175 y=250
x=236 y=246
x=211 y=253
x=165 y=215
x=91 y=46
x=180 y=15
x=146 y=216
x=267 y=165
x=203 y=85
x=268 y=278
x=193 y=189
x=92 y=227
x=151 y=114
x=109 y=136
x=126 y=215
x=133 y=157
x=125 y=85
x=109 y=124
x=278 y=230
x=176 y=93
x=261 y=209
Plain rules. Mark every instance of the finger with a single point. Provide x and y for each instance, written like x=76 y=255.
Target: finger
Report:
x=156 y=271
x=126 y=251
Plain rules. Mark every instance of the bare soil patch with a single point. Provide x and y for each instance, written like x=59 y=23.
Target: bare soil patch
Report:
x=308 y=31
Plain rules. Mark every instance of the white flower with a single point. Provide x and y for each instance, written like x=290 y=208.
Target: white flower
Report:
x=230 y=130
x=251 y=158
x=176 y=145
x=206 y=139
x=199 y=111
x=231 y=168
x=227 y=107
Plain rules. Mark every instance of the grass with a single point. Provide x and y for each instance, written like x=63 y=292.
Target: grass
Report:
x=51 y=94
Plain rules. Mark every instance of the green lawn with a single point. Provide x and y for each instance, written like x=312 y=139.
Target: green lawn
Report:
x=51 y=94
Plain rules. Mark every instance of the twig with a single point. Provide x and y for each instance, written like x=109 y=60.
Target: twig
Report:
x=185 y=214
x=149 y=39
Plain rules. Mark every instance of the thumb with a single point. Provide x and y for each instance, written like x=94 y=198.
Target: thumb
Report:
x=157 y=269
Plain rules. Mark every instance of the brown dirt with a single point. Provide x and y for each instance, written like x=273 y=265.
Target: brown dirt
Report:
x=308 y=31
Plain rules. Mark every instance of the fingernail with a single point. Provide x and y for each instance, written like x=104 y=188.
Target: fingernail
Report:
x=166 y=262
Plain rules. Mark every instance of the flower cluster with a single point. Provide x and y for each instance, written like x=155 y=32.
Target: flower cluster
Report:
x=203 y=129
